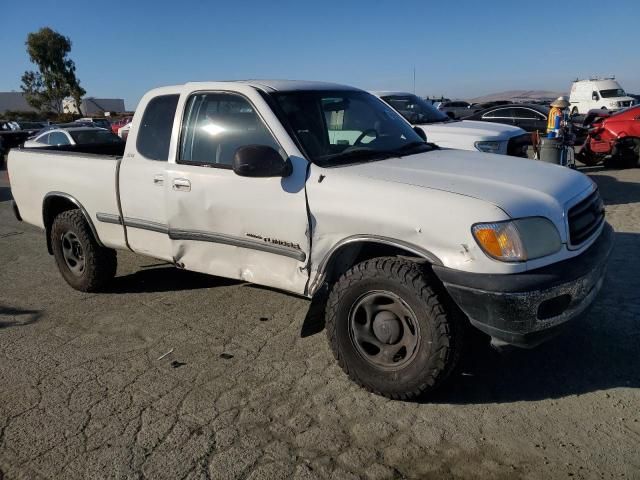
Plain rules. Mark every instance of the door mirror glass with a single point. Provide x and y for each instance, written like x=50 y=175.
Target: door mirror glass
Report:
x=260 y=161
x=595 y=96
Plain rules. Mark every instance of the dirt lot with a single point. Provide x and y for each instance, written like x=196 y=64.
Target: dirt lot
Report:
x=250 y=389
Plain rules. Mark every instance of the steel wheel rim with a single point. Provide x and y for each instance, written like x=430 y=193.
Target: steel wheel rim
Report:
x=73 y=253
x=384 y=330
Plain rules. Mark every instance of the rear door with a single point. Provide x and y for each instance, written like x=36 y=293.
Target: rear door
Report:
x=252 y=229
x=529 y=119
x=499 y=115
x=143 y=178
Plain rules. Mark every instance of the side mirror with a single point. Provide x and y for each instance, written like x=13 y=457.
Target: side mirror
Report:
x=260 y=161
x=420 y=133
x=595 y=96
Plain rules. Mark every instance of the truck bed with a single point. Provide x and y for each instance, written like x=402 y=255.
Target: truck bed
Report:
x=88 y=177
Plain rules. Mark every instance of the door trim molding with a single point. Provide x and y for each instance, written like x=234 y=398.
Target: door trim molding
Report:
x=198 y=236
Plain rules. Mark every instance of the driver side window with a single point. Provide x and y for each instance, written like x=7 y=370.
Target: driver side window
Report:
x=216 y=125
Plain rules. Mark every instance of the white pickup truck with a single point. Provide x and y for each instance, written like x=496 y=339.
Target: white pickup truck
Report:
x=462 y=134
x=313 y=187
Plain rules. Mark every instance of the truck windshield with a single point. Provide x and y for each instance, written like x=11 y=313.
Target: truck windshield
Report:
x=415 y=109
x=86 y=137
x=612 y=92
x=342 y=127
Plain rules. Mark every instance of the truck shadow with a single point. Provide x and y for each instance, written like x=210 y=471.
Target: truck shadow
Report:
x=615 y=192
x=17 y=317
x=165 y=278
x=599 y=352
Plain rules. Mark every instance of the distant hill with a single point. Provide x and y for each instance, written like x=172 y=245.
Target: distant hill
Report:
x=519 y=95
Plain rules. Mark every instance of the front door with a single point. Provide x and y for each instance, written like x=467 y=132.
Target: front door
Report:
x=252 y=229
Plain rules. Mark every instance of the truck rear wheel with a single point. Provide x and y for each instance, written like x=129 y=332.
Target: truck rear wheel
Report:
x=84 y=264
x=390 y=331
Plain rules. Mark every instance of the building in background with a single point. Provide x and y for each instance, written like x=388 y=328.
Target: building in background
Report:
x=15 y=102
x=92 y=106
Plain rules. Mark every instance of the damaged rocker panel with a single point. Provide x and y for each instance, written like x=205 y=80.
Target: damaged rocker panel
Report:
x=176 y=234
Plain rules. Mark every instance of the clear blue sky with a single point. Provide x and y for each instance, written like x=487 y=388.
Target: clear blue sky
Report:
x=459 y=48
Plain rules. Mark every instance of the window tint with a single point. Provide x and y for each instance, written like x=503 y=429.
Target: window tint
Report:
x=154 y=134
x=58 y=138
x=216 y=125
x=526 y=114
x=498 y=113
x=43 y=139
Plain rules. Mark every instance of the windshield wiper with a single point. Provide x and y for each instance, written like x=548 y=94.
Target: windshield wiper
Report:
x=409 y=148
x=363 y=155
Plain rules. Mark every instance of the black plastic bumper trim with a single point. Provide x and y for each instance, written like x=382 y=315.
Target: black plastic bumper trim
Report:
x=507 y=306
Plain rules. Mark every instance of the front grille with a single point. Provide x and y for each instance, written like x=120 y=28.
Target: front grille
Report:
x=626 y=103
x=517 y=146
x=584 y=218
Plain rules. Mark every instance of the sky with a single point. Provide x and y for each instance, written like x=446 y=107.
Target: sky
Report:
x=459 y=49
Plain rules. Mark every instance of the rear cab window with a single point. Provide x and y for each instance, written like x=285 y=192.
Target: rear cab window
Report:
x=154 y=134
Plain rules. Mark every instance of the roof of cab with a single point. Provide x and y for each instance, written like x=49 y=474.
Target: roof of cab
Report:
x=289 y=85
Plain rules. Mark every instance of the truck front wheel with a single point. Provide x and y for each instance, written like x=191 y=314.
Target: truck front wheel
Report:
x=84 y=264
x=389 y=329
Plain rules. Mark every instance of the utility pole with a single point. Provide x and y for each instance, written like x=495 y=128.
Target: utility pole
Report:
x=414 y=80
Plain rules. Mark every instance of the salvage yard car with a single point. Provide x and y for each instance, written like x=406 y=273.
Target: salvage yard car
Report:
x=312 y=188
x=72 y=136
x=530 y=117
x=613 y=139
x=465 y=135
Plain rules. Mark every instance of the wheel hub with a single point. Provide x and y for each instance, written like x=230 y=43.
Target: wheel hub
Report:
x=73 y=253
x=387 y=327
x=384 y=329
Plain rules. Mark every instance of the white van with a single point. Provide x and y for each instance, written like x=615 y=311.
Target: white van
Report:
x=603 y=93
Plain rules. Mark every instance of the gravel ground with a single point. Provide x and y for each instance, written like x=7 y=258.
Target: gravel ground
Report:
x=250 y=389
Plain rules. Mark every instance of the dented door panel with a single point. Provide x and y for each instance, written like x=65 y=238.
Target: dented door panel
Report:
x=251 y=229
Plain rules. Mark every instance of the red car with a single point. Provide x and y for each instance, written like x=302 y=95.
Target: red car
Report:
x=613 y=139
x=120 y=123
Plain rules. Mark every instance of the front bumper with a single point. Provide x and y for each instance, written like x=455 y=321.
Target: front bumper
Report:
x=524 y=309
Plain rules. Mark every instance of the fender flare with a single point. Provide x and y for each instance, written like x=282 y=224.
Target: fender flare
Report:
x=47 y=225
x=410 y=248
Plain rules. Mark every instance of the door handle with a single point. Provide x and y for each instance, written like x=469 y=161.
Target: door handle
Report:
x=182 y=184
x=158 y=180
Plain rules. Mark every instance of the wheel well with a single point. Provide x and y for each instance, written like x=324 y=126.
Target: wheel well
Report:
x=54 y=204
x=350 y=254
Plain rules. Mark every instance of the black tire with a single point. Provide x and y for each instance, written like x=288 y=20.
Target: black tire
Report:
x=432 y=323
x=84 y=264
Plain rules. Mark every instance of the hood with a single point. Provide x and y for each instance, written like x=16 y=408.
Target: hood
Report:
x=520 y=187
x=463 y=134
x=474 y=128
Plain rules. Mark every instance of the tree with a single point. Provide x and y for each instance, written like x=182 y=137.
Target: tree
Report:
x=56 y=76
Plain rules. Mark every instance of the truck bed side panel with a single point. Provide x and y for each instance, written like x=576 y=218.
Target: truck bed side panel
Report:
x=90 y=179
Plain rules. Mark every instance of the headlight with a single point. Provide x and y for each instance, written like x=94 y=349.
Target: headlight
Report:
x=489 y=147
x=518 y=240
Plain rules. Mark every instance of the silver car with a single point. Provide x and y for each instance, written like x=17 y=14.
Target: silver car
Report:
x=72 y=136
